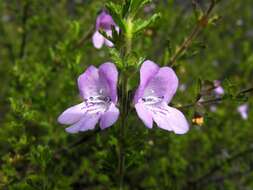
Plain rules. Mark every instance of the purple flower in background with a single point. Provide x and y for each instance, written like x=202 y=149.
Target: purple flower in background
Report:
x=243 y=110
x=98 y=88
x=218 y=88
x=156 y=89
x=105 y=22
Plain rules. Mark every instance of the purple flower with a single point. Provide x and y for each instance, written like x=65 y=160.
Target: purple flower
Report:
x=243 y=110
x=98 y=88
x=105 y=22
x=156 y=89
x=218 y=88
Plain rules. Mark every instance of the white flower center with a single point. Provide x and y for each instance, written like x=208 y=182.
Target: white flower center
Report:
x=148 y=100
x=155 y=105
x=96 y=104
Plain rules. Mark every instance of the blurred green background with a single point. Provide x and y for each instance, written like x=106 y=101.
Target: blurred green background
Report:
x=45 y=45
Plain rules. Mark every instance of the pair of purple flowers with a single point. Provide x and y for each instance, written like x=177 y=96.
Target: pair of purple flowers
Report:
x=98 y=88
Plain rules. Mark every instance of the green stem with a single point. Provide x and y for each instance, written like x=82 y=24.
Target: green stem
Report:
x=124 y=107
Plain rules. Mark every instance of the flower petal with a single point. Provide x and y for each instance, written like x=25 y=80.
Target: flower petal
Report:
x=219 y=90
x=88 y=122
x=243 y=110
x=109 y=117
x=90 y=84
x=98 y=40
x=163 y=84
x=147 y=71
x=104 y=21
x=71 y=115
x=171 y=119
x=108 y=42
x=144 y=114
x=108 y=73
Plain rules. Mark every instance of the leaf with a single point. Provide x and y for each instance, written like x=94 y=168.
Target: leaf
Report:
x=136 y=5
x=115 y=55
x=115 y=11
x=140 y=25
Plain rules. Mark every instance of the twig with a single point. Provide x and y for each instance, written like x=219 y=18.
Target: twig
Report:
x=79 y=142
x=85 y=37
x=215 y=100
x=85 y=138
x=202 y=22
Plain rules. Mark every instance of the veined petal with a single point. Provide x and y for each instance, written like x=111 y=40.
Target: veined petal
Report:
x=98 y=40
x=87 y=122
x=109 y=74
x=170 y=119
x=147 y=72
x=109 y=117
x=144 y=114
x=163 y=84
x=72 y=114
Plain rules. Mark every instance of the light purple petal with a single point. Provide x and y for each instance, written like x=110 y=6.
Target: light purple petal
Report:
x=144 y=114
x=104 y=21
x=108 y=74
x=88 y=82
x=91 y=84
x=109 y=117
x=108 y=42
x=171 y=119
x=71 y=115
x=219 y=90
x=147 y=71
x=163 y=84
x=87 y=122
x=243 y=110
x=98 y=40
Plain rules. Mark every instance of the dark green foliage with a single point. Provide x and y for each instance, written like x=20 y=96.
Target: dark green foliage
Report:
x=45 y=45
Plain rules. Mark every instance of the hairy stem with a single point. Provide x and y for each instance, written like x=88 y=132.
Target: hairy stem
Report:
x=124 y=108
x=123 y=124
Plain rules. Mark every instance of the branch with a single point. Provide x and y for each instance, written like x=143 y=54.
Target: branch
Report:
x=201 y=24
x=78 y=142
x=215 y=100
x=85 y=37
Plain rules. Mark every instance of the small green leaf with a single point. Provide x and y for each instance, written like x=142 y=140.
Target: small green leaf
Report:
x=140 y=25
x=115 y=11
